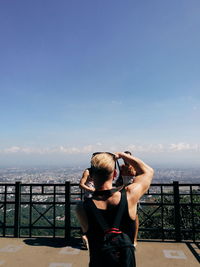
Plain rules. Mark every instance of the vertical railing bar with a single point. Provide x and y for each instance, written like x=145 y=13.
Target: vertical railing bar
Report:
x=67 y=212
x=54 y=211
x=82 y=194
x=4 y=215
x=192 y=211
x=20 y=208
x=17 y=209
x=30 y=212
x=177 y=211
x=163 y=235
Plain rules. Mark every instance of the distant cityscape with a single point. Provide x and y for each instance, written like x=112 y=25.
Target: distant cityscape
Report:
x=73 y=174
x=54 y=175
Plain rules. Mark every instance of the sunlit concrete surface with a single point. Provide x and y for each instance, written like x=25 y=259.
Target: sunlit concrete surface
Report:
x=162 y=254
x=44 y=252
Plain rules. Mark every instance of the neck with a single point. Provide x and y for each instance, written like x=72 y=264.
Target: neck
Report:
x=105 y=193
x=106 y=186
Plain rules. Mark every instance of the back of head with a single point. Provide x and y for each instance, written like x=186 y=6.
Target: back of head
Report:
x=102 y=166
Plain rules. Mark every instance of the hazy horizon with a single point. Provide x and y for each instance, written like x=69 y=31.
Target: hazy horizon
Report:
x=85 y=163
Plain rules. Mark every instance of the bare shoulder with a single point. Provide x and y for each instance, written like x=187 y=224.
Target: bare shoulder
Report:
x=85 y=174
x=86 y=171
x=134 y=192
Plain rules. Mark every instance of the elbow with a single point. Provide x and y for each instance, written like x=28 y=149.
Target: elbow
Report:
x=151 y=171
x=80 y=186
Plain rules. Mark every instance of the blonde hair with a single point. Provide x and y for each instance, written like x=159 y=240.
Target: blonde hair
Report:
x=103 y=165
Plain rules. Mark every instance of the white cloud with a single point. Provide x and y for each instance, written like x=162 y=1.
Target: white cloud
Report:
x=26 y=150
x=157 y=148
x=149 y=148
x=67 y=150
x=184 y=146
x=50 y=150
x=87 y=149
x=13 y=149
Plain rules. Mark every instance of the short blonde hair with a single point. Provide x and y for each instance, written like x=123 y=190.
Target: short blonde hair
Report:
x=103 y=164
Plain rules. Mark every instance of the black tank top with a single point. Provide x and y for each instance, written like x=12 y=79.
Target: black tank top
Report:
x=95 y=234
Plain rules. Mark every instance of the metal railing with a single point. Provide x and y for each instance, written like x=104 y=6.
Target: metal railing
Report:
x=35 y=209
x=166 y=211
x=170 y=212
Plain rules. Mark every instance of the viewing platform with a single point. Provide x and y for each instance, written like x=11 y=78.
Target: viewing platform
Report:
x=49 y=252
x=38 y=226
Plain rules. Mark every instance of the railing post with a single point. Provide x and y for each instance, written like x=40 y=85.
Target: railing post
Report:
x=17 y=209
x=67 y=212
x=177 y=211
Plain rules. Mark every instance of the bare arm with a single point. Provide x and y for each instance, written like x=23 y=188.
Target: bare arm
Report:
x=144 y=175
x=83 y=181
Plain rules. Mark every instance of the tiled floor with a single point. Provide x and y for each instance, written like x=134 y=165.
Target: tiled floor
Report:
x=54 y=253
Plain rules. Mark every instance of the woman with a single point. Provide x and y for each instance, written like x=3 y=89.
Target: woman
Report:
x=128 y=174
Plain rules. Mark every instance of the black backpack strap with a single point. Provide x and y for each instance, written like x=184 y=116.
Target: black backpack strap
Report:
x=122 y=205
x=100 y=219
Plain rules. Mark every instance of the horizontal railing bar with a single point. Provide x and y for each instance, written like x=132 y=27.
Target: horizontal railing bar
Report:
x=43 y=194
x=76 y=184
x=32 y=202
x=41 y=203
x=42 y=227
x=52 y=192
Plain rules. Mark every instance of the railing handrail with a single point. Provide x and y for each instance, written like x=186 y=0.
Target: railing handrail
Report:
x=67 y=195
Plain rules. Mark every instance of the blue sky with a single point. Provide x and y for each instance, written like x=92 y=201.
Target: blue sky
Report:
x=80 y=76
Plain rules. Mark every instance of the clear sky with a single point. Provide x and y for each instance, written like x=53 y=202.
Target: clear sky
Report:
x=78 y=76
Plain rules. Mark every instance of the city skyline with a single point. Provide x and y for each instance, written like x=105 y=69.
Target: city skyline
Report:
x=85 y=76
x=73 y=174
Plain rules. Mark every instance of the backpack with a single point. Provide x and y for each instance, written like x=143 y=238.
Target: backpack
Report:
x=117 y=249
